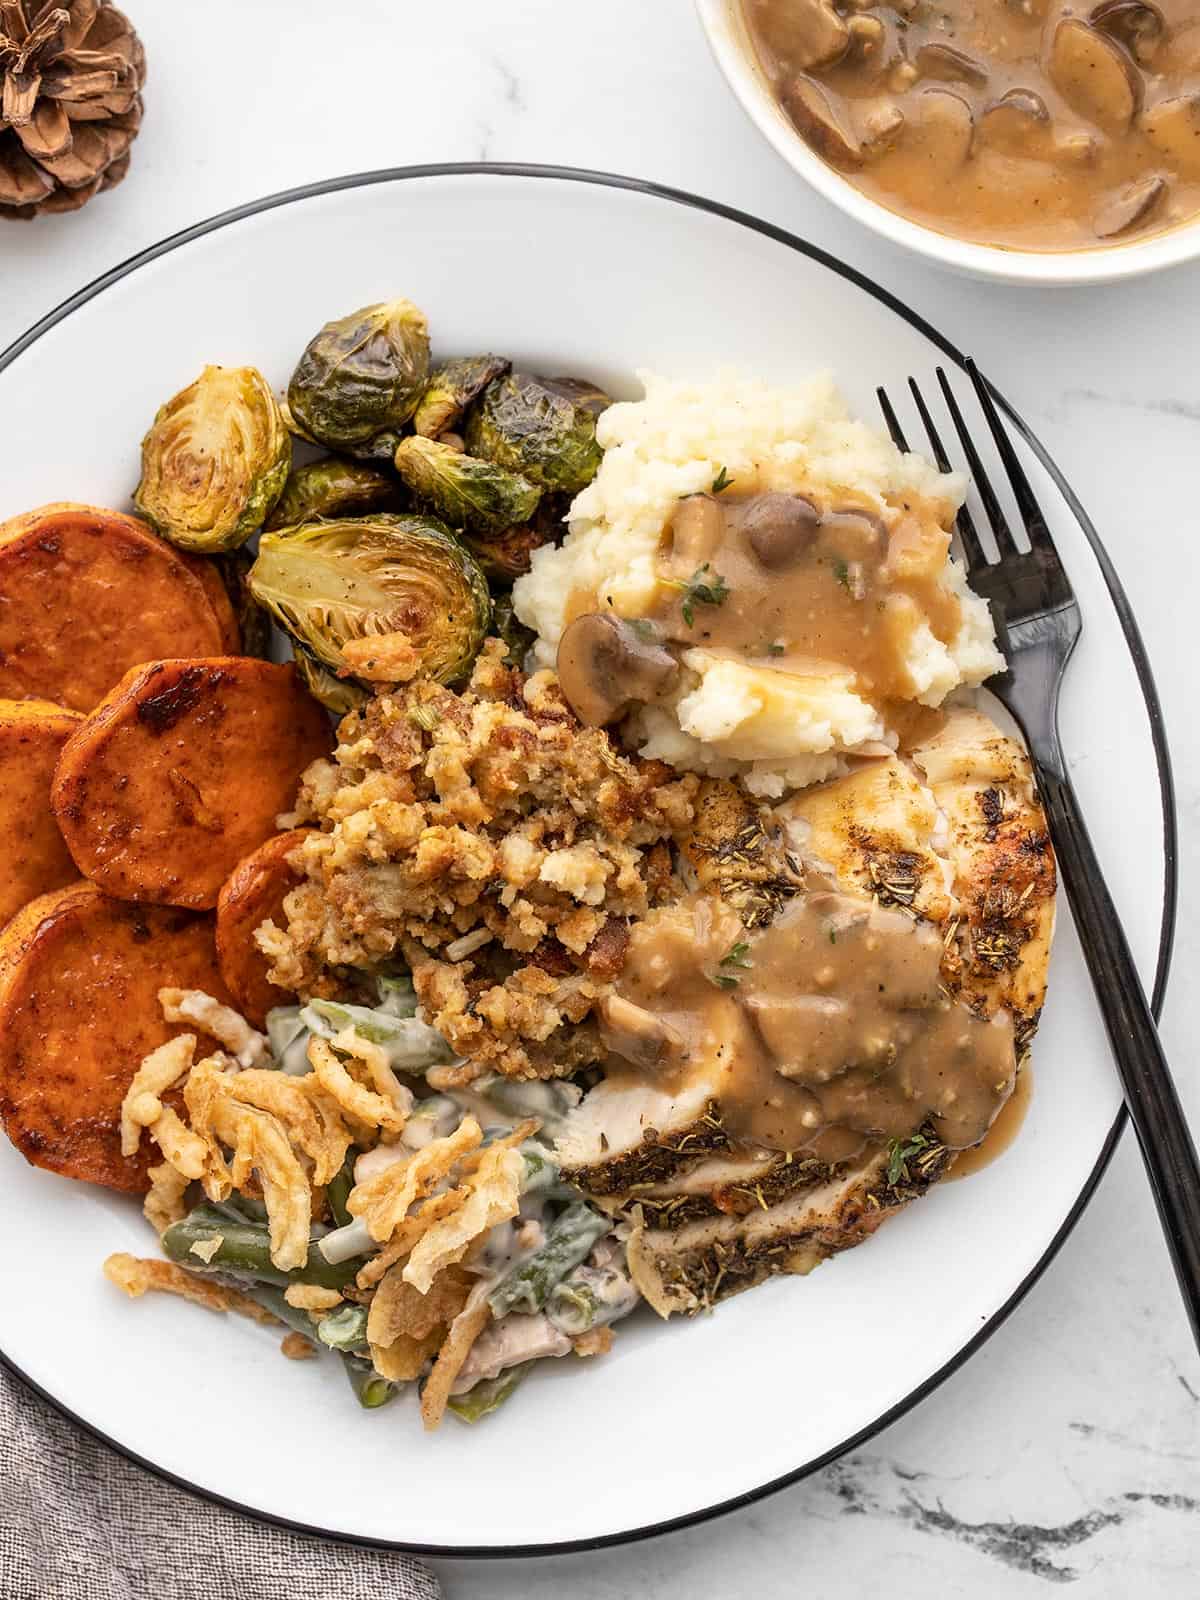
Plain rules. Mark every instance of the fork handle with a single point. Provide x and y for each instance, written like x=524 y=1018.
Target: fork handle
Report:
x=1150 y=1094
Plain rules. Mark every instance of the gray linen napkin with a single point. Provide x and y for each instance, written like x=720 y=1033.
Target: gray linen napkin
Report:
x=78 y=1522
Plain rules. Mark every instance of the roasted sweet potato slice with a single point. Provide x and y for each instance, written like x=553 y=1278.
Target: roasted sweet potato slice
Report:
x=252 y=895
x=79 y=981
x=36 y=858
x=89 y=593
x=181 y=771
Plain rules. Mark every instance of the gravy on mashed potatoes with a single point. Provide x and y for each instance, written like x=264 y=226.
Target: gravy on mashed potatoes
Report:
x=791 y=608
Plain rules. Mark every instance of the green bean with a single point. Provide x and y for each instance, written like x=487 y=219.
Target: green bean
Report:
x=272 y=1299
x=397 y=996
x=372 y=1390
x=488 y=1395
x=568 y=1241
x=289 y=1038
x=590 y=1297
x=344 y=1329
x=244 y=1251
x=410 y=1045
x=337 y=1190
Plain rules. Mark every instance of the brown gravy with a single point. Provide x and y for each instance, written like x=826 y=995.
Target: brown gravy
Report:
x=845 y=592
x=1029 y=124
x=1010 y=1119
x=776 y=581
x=823 y=1032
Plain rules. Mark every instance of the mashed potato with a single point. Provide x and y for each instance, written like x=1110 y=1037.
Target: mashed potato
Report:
x=775 y=728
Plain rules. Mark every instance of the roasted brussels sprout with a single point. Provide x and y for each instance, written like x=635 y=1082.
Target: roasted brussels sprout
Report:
x=333 y=488
x=506 y=555
x=451 y=389
x=328 y=583
x=360 y=378
x=254 y=625
x=463 y=490
x=339 y=695
x=215 y=461
x=584 y=394
x=522 y=423
x=506 y=626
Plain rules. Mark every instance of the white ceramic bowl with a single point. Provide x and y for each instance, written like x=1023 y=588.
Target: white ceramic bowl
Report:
x=727 y=34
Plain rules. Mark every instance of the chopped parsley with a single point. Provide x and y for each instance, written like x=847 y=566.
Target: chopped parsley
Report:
x=899 y=1153
x=721 y=481
x=775 y=648
x=424 y=716
x=700 y=591
x=735 y=956
x=842 y=573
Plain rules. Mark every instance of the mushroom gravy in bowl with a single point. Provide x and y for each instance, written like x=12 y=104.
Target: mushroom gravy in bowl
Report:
x=1046 y=141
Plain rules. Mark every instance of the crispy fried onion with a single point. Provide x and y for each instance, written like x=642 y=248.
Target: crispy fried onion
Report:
x=136 y=1275
x=229 y=1028
x=383 y=1201
x=464 y=1330
x=493 y=1196
x=158 y=1072
x=290 y=1131
x=367 y=1106
x=311 y=1297
x=164 y=1203
x=405 y=1328
x=407 y=1234
x=260 y=1144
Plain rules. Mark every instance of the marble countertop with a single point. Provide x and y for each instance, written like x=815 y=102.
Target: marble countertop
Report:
x=1068 y=1450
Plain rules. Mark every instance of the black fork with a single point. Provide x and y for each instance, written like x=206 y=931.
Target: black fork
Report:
x=1037 y=625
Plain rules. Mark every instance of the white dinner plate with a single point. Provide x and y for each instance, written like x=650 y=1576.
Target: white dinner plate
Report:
x=565 y=272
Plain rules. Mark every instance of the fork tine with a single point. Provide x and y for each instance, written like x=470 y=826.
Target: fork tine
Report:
x=965 y=523
x=1031 y=512
x=1005 y=542
x=892 y=421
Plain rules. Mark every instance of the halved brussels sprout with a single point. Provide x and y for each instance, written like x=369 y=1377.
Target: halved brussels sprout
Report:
x=339 y=695
x=327 y=583
x=506 y=626
x=332 y=488
x=452 y=387
x=254 y=625
x=360 y=378
x=463 y=490
x=214 y=461
x=523 y=423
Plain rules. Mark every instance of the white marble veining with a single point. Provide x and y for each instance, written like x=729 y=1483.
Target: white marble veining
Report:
x=1068 y=1451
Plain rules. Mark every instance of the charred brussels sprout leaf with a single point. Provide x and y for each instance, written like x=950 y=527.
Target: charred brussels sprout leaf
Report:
x=581 y=392
x=339 y=695
x=452 y=387
x=328 y=583
x=332 y=489
x=531 y=427
x=360 y=378
x=215 y=461
x=463 y=490
x=506 y=555
x=507 y=626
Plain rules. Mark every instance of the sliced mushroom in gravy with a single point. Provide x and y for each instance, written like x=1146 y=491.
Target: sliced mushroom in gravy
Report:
x=834 y=1016
x=1028 y=124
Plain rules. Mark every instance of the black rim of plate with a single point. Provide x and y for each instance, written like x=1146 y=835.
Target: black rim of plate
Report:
x=1141 y=664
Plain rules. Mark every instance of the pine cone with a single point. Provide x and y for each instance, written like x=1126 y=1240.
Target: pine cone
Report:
x=70 y=105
